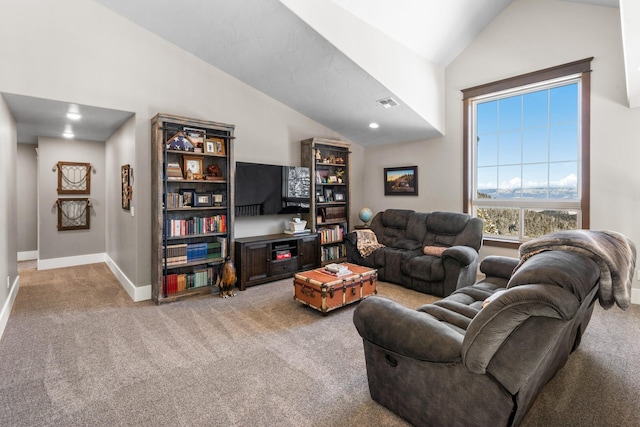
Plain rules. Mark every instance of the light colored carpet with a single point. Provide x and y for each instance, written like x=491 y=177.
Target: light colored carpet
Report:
x=77 y=351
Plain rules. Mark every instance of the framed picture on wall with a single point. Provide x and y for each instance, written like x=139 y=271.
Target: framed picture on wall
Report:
x=401 y=181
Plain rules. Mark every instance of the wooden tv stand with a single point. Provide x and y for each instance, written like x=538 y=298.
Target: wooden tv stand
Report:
x=262 y=259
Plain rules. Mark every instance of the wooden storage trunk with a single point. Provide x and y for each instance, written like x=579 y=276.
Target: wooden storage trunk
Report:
x=326 y=292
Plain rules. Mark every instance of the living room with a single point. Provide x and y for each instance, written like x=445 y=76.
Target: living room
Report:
x=81 y=52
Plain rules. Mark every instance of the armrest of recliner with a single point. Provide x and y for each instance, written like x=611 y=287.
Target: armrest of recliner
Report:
x=406 y=332
x=463 y=254
x=498 y=266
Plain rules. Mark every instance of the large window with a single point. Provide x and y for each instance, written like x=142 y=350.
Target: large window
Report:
x=527 y=153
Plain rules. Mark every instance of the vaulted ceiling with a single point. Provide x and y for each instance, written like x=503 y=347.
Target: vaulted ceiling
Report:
x=332 y=60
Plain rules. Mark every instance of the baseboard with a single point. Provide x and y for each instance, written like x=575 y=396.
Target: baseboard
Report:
x=27 y=255
x=72 y=261
x=8 y=305
x=137 y=293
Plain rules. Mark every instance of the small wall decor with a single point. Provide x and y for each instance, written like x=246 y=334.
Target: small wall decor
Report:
x=126 y=173
x=74 y=178
x=402 y=181
x=73 y=214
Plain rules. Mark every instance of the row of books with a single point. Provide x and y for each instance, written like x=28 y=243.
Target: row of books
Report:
x=191 y=252
x=177 y=200
x=172 y=283
x=333 y=252
x=197 y=225
x=331 y=234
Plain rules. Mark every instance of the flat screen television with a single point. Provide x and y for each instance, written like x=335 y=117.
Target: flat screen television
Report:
x=263 y=189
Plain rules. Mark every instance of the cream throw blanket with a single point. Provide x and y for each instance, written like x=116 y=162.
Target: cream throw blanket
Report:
x=367 y=242
x=614 y=253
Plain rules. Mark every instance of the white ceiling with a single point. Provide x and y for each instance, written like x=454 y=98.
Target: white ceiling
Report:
x=266 y=45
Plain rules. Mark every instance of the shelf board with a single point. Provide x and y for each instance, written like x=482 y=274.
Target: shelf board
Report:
x=193 y=236
x=333 y=242
x=207 y=181
x=332 y=222
x=196 y=263
x=195 y=208
x=191 y=153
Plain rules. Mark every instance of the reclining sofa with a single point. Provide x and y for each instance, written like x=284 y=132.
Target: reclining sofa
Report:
x=457 y=363
x=405 y=234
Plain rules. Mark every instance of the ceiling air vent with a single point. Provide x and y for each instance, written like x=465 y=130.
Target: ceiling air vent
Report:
x=388 y=102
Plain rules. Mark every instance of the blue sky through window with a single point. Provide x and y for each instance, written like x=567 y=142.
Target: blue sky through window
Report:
x=528 y=144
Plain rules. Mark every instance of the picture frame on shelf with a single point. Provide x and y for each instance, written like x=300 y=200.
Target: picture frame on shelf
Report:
x=338 y=197
x=332 y=179
x=192 y=164
x=401 y=181
x=320 y=199
x=197 y=138
x=210 y=146
x=328 y=194
x=187 y=196
x=216 y=145
x=217 y=199
x=203 y=200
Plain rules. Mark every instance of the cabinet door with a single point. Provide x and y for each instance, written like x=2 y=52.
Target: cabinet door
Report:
x=308 y=252
x=255 y=261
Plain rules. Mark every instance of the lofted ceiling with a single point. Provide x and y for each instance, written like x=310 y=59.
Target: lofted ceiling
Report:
x=331 y=60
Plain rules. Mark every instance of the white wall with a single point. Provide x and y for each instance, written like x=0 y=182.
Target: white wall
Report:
x=78 y=51
x=9 y=280
x=531 y=35
x=27 y=206
x=120 y=224
x=52 y=243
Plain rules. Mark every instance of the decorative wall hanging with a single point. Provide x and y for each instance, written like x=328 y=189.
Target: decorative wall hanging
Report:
x=74 y=178
x=126 y=172
x=73 y=214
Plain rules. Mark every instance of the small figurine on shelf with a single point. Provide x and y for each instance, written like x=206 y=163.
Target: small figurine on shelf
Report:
x=189 y=175
x=215 y=173
x=340 y=175
x=318 y=155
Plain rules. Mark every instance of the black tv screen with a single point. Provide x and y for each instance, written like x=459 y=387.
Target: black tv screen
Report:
x=263 y=189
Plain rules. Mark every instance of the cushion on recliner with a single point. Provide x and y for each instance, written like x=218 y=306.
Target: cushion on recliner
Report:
x=452 y=229
x=425 y=267
x=396 y=218
x=408 y=244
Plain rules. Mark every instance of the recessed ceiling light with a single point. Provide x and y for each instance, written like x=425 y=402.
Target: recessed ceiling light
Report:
x=74 y=116
x=374 y=125
x=68 y=135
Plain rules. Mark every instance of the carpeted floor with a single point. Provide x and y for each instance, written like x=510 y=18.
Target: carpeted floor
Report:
x=77 y=351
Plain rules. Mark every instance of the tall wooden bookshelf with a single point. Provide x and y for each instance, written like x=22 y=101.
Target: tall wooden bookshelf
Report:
x=192 y=187
x=328 y=161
